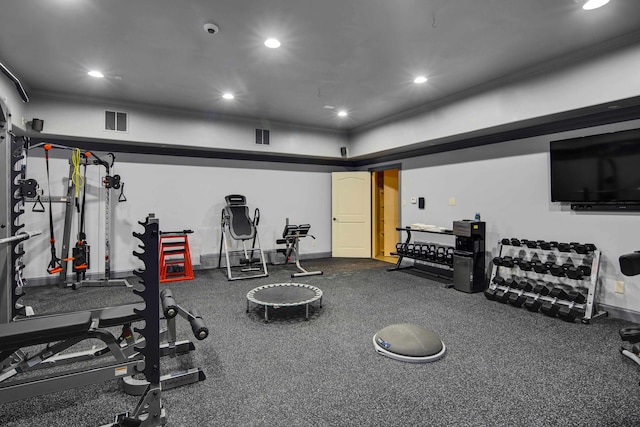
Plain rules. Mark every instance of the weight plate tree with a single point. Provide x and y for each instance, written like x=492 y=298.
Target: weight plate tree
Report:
x=5 y=214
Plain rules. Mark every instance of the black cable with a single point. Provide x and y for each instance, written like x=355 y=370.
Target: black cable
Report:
x=54 y=265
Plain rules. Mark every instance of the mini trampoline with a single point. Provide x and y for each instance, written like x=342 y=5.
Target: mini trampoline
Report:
x=284 y=295
x=409 y=343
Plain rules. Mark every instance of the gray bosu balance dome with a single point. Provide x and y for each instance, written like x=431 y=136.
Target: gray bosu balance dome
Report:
x=409 y=343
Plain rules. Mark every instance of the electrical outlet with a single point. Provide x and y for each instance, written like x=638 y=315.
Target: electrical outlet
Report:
x=452 y=201
x=618 y=287
x=414 y=200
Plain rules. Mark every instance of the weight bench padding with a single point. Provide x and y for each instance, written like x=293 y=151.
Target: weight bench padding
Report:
x=408 y=342
x=44 y=329
x=119 y=315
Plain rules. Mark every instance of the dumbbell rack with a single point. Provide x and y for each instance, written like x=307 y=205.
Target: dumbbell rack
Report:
x=430 y=258
x=506 y=280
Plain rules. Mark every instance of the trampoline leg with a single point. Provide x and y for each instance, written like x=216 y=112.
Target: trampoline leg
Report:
x=306 y=307
x=266 y=314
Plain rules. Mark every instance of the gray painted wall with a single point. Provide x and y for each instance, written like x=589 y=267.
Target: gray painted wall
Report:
x=508 y=184
x=184 y=194
x=85 y=118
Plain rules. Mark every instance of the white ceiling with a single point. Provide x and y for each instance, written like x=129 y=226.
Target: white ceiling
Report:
x=360 y=55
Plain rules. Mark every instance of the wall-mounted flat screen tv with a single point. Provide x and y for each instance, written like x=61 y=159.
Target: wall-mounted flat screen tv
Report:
x=597 y=169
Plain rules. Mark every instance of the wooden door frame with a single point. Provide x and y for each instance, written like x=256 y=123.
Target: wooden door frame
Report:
x=374 y=203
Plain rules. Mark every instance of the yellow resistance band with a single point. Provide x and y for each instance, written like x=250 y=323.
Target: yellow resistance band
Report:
x=76 y=176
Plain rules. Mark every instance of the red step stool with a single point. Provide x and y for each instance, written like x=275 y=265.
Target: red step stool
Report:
x=175 y=258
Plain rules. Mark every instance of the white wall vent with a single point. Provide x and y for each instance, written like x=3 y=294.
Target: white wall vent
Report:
x=116 y=121
x=262 y=136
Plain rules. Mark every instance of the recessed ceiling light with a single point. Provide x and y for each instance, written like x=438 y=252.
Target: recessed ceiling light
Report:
x=420 y=79
x=594 y=4
x=228 y=95
x=96 y=74
x=342 y=113
x=272 y=43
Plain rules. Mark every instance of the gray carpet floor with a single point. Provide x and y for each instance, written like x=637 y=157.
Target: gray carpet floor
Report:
x=504 y=365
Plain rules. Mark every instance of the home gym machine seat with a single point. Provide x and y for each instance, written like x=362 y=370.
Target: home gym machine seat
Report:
x=238 y=224
x=291 y=239
x=118 y=357
x=630 y=266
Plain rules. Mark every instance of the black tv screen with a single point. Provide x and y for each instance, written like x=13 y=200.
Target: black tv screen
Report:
x=598 y=169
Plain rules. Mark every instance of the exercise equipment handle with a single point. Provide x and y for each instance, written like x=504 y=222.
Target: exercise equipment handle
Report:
x=169 y=304
x=20 y=236
x=176 y=232
x=200 y=330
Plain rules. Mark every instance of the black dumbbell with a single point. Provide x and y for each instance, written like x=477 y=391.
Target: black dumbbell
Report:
x=401 y=248
x=580 y=249
x=505 y=241
x=515 y=242
x=490 y=294
x=526 y=285
x=424 y=251
x=541 y=267
x=524 y=265
x=579 y=272
x=517 y=299
x=531 y=244
x=558 y=293
x=497 y=261
x=569 y=314
x=432 y=252
x=564 y=247
x=512 y=283
x=449 y=256
x=409 y=249
x=532 y=304
x=549 y=308
x=576 y=296
x=440 y=254
x=499 y=281
x=502 y=295
x=541 y=289
x=557 y=270
x=507 y=261
x=544 y=245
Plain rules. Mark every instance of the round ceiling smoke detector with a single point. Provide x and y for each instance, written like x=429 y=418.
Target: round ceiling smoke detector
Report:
x=211 y=28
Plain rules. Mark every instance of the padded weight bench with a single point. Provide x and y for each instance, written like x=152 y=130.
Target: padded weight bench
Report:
x=66 y=330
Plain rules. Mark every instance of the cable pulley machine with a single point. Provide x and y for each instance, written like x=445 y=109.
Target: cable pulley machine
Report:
x=75 y=199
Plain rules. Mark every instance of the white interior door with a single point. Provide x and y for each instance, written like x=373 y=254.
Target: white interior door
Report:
x=351 y=214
